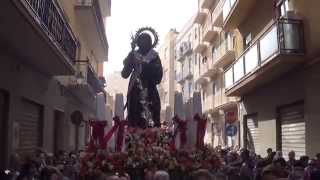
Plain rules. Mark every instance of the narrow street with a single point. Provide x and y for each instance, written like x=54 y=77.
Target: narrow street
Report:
x=159 y=90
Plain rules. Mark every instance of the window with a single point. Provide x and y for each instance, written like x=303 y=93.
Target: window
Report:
x=165 y=53
x=204 y=60
x=247 y=40
x=215 y=87
x=190 y=89
x=204 y=96
x=284 y=7
x=214 y=49
x=195 y=59
x=195 y=33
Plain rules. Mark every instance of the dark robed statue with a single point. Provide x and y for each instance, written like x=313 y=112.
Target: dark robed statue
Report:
x=145 y=68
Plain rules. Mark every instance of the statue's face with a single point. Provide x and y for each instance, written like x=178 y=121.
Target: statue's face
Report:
x=144 y=42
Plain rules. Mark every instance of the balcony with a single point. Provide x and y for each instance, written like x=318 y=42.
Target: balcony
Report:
x=207 y=4
x=198 y=45
x=91 y=19
x=206 y=71
x=208 y=104
x=221 y=101
x=179 y=53
x=235 y=11
x=180 y=78
x=200 y=17
x=185 y=48
x=217 y=14
x=188 y=74
x=36 y=31
x=224 y=54
x=278 y=49
x=209 y=31
x=85 y=84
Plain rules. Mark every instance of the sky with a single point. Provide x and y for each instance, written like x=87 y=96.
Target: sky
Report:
x=129 y=15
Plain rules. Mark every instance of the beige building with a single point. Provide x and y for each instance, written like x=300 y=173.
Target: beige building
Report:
x=118 y=85
x=276 y=73
x=215 y=51
x=167 y=86
x=52 y=54
x=185 y=59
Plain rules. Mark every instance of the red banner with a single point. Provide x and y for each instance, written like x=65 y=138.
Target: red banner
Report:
x=201 y=130
x=97 y=132
x=231 y=117
x=182 y=129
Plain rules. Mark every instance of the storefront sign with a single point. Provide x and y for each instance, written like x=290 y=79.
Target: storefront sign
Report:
x=231 y=117
x=231 y=130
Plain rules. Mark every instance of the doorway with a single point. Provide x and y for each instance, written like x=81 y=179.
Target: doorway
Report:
x=4 y=110
x=58 y=133
x=251 y=132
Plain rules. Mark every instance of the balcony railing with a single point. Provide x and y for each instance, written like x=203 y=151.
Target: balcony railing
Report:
x=200 y=17
x=224 y=53
x=53 y=22
x=209 y=31
x=188 y=73
x=90 y=77
x=207 y=4
x=235 y=11
x=179 y=53
x=221 y=100
x=227 y=7
x=208 y=103
x=282 y=39
x=217 y=14
x=179 y=77
x=187 y=47
x=198 y=45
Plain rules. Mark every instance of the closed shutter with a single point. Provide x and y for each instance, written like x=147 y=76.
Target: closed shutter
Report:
x=253 y=133
x=293 y=128
x=30 y=126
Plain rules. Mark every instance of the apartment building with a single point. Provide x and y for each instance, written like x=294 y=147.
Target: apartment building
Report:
x=168 y=84
x=184 y=55
x=215 y=49
x=119 y=86
x=52 y=54
x=276 y=73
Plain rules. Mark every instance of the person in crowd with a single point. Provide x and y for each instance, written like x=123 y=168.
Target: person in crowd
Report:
x=309 y=169
x=247 y=165
x=318 y=160
x=161 y=175
x=291 y=159
x=277 y=169
x=201 y=174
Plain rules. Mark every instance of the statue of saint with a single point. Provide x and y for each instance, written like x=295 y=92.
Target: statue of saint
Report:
x=144 y=66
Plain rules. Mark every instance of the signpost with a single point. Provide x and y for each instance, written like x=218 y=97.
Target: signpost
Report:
x=231 y=130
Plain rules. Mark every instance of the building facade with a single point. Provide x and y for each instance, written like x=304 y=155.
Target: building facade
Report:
x=215 y=49
x=51 y=73
x=276 y=73
x=119 y=86
x=167 y=86
x=185 y=59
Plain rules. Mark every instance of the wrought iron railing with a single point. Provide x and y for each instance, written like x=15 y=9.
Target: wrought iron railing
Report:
x=52 y=20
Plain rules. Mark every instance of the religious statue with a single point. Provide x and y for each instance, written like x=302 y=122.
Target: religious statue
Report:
x=144 y=66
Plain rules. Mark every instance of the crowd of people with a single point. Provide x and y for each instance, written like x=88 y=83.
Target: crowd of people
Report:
x=150 y=155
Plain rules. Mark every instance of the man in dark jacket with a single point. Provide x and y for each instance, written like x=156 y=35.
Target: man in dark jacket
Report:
x=145 y=68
